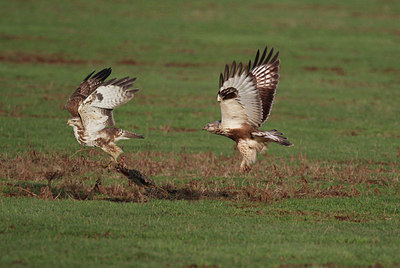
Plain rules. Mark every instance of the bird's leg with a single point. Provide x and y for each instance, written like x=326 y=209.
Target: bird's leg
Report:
x=114 y=163
x=245 y=167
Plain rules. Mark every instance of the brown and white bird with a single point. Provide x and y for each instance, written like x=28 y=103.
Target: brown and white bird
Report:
x=91 y=106
x=246 y=96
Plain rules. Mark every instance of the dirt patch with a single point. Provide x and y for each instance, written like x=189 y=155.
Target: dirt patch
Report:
x=389 y=70
x=307 y=265
x=349 y=218
x=99 y=235
x=284 y=6
x=336 y=70
x=200 y=266
x=189 y=176
x=30 y=58
x=392 y=31
x=347 y=84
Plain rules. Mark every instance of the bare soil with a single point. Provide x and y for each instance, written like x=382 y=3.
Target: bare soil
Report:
x=190 y=176
x=29 y=58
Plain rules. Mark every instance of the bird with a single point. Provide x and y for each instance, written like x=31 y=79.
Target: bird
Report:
x=245 y=96
x=91 y=107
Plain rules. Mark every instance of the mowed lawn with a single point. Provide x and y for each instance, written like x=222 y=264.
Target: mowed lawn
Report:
x=332 y=199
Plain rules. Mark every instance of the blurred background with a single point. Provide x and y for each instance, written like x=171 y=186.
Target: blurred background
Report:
x=338 y=96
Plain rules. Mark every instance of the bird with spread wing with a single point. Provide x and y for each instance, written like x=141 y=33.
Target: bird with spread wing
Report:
x=245 y=96
x=91 y=106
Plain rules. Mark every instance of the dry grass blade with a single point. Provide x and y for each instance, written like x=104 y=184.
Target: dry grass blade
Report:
x=194 y=176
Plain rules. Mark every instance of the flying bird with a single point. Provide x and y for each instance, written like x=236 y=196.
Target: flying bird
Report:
x=91 y=106
x=245 y=96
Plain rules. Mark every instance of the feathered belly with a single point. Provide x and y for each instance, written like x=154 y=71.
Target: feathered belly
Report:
x=236 y=134
x=83 y=138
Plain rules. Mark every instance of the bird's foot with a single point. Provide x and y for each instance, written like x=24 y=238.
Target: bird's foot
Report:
x=245 y=168
x=110 y=165
x=121 y=163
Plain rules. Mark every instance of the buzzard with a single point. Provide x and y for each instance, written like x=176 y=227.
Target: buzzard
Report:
x=245 y=96
x=91 y=106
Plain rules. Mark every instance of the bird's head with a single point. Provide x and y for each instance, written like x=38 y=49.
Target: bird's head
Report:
x=75 y=121
x=212 y=127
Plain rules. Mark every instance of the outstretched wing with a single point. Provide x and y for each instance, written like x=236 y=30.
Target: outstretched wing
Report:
x=96 y=110
x=246 y=96
x=88 y=85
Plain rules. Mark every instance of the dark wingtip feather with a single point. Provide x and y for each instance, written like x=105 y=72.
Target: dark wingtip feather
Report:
x=103 y=74
x=131 y=92
x=233 y=69
x=109 y=82
x=248 y=68
x=239 y=69
x=263 y=55
x=87 y=77
x=275 y=57
x=269 y=56
x=286 y=143
x=125 y=82
x=226 y=73
x=256 y=59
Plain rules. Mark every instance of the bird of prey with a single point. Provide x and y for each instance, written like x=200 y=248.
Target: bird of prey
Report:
x=91 y=106
x=245 y=96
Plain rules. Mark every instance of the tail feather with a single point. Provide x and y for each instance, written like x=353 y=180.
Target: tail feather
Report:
x=273 y=135
x=130 y=135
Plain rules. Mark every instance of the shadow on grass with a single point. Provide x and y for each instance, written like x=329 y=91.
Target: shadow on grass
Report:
x=188 y=176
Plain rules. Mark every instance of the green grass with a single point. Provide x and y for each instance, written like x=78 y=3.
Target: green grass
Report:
x=337 y=101
x=210 y=233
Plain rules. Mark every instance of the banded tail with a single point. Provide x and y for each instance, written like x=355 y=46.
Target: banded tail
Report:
x=130 y=135
x=273 y=135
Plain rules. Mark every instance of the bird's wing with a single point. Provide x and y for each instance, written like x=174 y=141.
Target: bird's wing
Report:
x=96 y=110
x=239 y=100
x=86 y=87
x=266 y=71
x=246 y=95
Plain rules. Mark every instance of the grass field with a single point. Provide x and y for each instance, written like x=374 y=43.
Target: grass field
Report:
x=331 y=200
